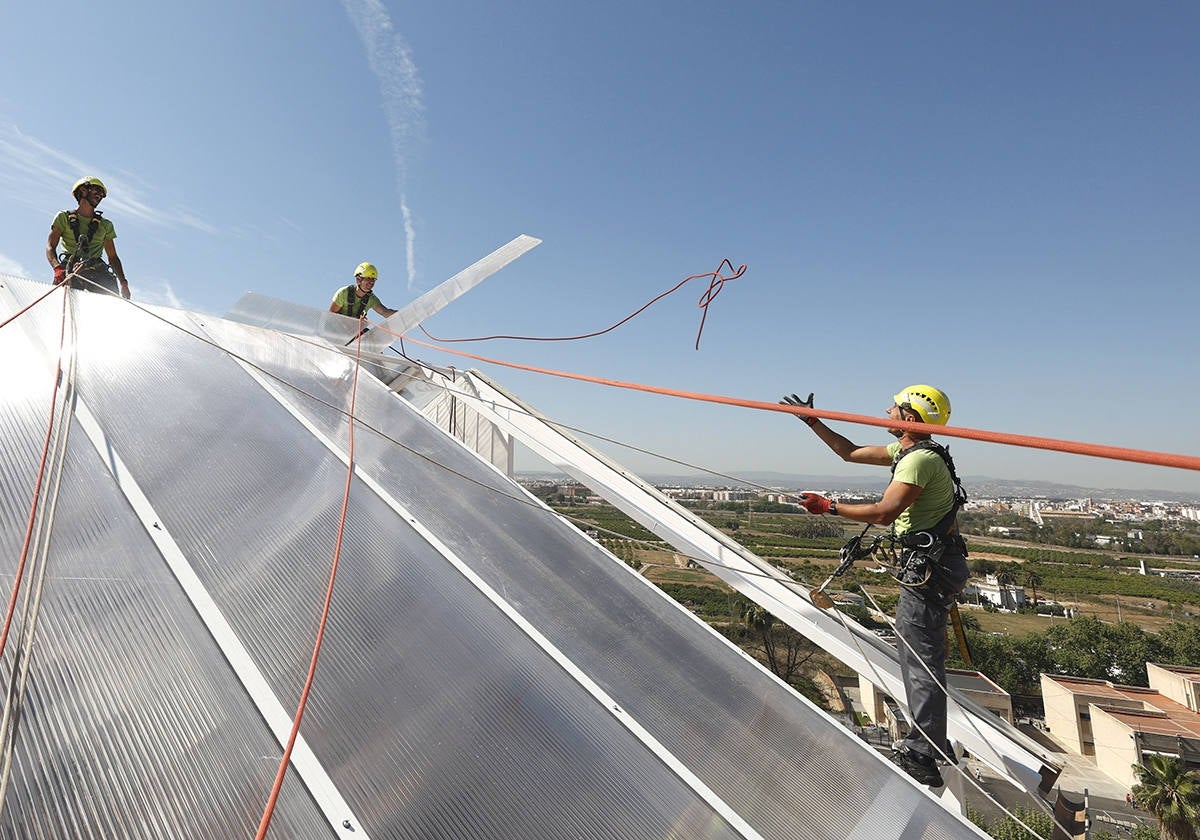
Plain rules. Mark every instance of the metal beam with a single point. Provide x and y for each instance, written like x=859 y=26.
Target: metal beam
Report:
x=377 y=340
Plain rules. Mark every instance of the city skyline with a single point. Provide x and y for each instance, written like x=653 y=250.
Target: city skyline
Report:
x=978 y=486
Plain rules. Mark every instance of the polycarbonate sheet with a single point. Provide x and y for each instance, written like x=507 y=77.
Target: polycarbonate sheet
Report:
x=434 y=713
x=446 y=292
x=130 y=723
x=265 y=311
x=467 y=728
x=764 y=750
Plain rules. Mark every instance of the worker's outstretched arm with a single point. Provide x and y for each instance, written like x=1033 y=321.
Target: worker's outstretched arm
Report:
x=846 y=449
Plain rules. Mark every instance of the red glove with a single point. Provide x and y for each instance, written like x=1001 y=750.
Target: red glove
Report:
x=60 y=274
x=815 y=503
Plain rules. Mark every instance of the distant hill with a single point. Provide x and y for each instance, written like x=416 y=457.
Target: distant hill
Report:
x=977 y=486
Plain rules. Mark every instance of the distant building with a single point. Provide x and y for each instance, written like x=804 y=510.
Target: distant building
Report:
x=1119 y=724
x=982 y=690
x=1003 y=595
x=881 y=709
x=734 y=495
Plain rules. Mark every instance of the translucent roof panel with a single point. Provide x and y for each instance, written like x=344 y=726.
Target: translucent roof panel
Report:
x=487 y=671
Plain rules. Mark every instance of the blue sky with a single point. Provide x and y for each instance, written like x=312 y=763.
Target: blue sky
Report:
x=1001 y=199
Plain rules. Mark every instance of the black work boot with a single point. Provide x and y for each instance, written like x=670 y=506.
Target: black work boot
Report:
x=920 y=767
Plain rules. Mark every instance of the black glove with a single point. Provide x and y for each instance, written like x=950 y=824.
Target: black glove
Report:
x=792 y=399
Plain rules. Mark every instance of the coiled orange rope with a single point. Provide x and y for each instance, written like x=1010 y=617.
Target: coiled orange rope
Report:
x=717 y=281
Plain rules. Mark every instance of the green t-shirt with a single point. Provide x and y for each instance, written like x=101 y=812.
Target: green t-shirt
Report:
x=104 y=232
x=926 y=469
x=342 y=299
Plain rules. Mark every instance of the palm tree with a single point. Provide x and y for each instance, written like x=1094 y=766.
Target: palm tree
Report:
x=1170 y=793
x=1033 y=580
x=1005 y=576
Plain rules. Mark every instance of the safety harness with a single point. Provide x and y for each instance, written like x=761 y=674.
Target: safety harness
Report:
x=356 y=307
x=920 y=560
x=83 y=240
x=916 y=556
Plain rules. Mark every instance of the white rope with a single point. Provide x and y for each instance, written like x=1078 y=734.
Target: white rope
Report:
x=39 y=551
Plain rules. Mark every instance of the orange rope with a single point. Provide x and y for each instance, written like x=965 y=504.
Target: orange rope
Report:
x=1116 y=453
x=269 y=810
x=716 y=283
x=37 y=487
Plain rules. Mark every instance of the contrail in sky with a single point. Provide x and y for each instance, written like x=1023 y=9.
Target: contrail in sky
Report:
x=390 y=59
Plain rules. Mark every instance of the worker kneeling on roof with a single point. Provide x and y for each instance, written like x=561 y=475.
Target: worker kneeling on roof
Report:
x=921 y=504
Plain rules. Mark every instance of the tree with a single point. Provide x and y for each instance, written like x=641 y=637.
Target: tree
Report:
x=1033 y=580
x=1087 y=647
x=1179 y=643
x=1170 y=793
x=781 y=645
x=1014 y=827
x=1006 y=575
x=1015 y=664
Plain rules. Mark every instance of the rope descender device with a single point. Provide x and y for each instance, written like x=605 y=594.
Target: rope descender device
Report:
x=851 y=552
x=883 y=546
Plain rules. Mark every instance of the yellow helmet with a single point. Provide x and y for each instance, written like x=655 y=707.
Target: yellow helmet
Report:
x=932 y=404
x=367 y=270
x=90 y=180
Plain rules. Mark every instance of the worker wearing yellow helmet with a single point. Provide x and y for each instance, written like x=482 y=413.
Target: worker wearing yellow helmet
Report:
x=354 y=300
x=921 y=504
x=86 y=237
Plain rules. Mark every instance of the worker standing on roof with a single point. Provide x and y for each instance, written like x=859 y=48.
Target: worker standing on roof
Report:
x=85 y=235
x=356 y=299
x=921 y=504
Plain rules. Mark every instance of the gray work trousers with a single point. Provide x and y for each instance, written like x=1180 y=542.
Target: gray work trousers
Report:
x=921 y=617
